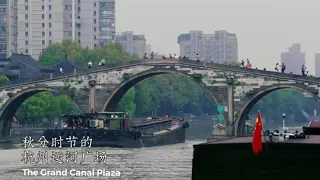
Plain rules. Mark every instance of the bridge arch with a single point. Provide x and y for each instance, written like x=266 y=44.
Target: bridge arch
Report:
x=115 y=97
x=10 y=107
x=240 y=122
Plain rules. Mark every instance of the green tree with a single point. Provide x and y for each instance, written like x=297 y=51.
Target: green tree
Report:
x=56 y=52
x=3 y=80
x=113 y=53
x=127 y=103
x=288 y=101
x=43 y=105
x=163 y=94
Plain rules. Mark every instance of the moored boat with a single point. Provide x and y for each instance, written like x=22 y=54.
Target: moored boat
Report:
x=284 y=156
x=114 y=129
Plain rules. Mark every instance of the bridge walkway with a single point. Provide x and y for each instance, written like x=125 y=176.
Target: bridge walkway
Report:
x=191 y=63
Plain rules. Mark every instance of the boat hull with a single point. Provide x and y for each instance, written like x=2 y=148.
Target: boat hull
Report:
x=116 y=138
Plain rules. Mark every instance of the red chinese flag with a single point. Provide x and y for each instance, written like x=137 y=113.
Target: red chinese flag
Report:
x=257 y=138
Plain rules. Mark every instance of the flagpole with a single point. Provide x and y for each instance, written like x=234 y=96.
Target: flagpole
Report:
x=263 y=131
x=264 y=137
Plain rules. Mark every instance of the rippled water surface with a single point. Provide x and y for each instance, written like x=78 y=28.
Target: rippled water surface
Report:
x=155 y=163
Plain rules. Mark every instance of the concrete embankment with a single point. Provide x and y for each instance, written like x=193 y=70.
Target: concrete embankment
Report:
x=17 y=137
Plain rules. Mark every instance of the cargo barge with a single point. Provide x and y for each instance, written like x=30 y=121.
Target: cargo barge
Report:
x=114 y=129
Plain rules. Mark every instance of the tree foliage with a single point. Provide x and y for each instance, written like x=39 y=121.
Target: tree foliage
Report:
x=171 y=94
x=43 y=105
x=3 y=80
x=113 y=53
x=289 y=101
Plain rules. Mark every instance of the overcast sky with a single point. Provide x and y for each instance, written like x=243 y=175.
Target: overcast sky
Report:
x=264 y=28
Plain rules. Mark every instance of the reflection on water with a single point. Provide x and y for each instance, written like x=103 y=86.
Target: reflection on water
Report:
x=155 y=163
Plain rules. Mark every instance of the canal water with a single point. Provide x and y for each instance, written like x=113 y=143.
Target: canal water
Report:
x=156 y=163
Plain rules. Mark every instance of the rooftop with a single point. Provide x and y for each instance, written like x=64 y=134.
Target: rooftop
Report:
x=27 y=59
x=134 y=37
x=67 y=65
x=184 y=37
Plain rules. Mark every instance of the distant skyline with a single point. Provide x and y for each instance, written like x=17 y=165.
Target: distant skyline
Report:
x=264 y=29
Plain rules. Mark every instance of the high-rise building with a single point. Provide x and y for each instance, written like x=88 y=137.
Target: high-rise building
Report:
x=219 y=47
x=191 y=44
x=8 y=27
x=317 y=64
x=293 y=59
x=226 y=47
x=133 y=44
x=42 y=22
x=98 y=21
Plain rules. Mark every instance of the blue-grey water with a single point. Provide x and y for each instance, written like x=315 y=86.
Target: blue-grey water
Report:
x=156 y=163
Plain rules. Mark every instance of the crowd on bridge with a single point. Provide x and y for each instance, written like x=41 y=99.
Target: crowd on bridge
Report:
x=282 y=67
x=102 y=62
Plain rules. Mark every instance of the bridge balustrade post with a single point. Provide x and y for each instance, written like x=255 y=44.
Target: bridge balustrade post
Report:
x=51 y=75
x=230 y=122
x=92 y=96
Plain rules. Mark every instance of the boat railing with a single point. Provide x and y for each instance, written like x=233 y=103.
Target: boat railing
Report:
x=30 y=127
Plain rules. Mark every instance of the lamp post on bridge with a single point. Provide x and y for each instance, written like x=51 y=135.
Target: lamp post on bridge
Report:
x=283 y=121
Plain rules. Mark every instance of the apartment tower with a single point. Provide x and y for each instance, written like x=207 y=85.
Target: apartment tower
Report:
x=133 y=44
x=293 y=59
x=317 y=64
x=42 y=22
x=8 y=27
x=220 y=47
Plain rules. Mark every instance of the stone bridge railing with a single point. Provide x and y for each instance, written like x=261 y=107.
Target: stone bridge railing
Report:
x=200 y=64
x=258 y=72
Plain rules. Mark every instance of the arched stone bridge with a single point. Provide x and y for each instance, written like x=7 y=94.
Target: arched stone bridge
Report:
x=234 y=87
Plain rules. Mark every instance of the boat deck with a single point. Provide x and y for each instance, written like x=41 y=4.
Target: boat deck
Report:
x=167 y=130
x=149 y=122
x=313 y=139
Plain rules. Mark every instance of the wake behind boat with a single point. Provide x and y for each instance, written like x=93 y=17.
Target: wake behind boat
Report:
x=114 y=129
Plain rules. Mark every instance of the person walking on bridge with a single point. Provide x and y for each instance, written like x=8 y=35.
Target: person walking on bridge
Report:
x=249 y=65
x=242 y=63
x=303 y=70
x=103 y=62
x=145 y=56
x=89 y=64
x=198 y=57
x=306 y=71
x=283 y=68
x=277 y=67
